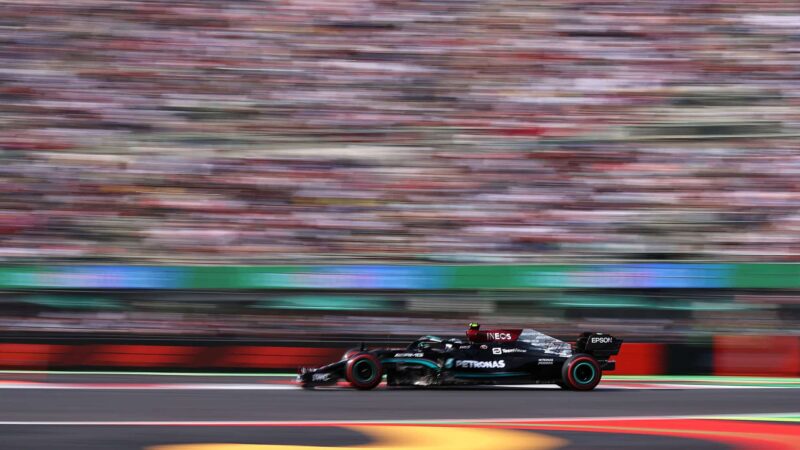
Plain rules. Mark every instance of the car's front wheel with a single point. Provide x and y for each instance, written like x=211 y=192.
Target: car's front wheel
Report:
x=581 y=372
x=364 y=371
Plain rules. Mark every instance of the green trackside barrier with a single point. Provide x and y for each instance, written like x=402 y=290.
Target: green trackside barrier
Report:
x=766 y=275
x=406 y=277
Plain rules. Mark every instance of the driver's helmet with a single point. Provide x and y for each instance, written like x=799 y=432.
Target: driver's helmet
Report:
x=473 y=332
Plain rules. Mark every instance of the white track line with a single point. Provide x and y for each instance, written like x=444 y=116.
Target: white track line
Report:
x=645 y=386
x=154 y=374
x=152 y=387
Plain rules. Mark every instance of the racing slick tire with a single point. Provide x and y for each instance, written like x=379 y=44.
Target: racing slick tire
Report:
x=581 y=372
x=364 y=371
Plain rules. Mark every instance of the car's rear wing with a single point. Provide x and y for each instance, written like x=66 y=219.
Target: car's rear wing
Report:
x=600 y=345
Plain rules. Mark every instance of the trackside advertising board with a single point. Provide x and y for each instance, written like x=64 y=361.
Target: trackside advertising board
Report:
x=405 y=277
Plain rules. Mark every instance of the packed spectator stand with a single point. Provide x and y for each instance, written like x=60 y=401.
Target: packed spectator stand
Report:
x=352 y=130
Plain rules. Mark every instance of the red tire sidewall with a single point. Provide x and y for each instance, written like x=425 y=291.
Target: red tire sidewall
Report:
x=350 y=353
x=573 y=384
x=376 y=380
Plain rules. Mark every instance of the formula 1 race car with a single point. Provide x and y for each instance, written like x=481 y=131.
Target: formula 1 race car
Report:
x=503 y=356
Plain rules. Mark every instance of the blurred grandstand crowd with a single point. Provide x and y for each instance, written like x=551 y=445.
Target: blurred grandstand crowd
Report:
x=330 y=327
x=437 y=130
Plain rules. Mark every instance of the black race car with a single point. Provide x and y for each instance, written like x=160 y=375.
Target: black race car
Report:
x=504 y=356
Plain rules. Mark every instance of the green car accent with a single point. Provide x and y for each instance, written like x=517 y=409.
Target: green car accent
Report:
x=575 y=373
x=422 y=362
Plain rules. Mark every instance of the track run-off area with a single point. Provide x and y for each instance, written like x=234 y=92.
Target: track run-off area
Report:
x=195 y=411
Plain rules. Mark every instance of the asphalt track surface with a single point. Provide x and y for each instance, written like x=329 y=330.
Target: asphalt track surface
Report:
x=230 y=413
x=124 y=404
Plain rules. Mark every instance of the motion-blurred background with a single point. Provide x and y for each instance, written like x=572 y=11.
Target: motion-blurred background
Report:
x=201 y=178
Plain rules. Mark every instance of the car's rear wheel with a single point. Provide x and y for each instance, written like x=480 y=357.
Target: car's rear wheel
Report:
x=581 y=373
x=364 y=371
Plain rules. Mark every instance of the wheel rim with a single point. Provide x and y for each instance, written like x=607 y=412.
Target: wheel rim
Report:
x=583 y=373
x=363 y=371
